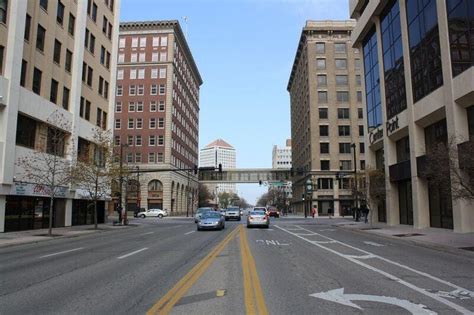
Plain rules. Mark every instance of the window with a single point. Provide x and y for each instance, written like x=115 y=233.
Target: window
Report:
x=321 y=64
x=152 y=141
x=44 y=4
x=160 y=158
x=325 y=183
x=362 y=164
x=133 y=74
x=470 y=121
x=324 y=148
x=132 y=90
x=102 y=55
x=322 y=97
x=361 y=130
x=425 y=51
x=323 y=113
x=152 y=124
x=345 y=165
x=139 y=107
x=138 y=141
x=325 y=165
x=107 y=60
x=122 y=43
x=118 y=107
x=139 y=123
x=361 y=147
x=359 y=96
x=131 y=107
x=162 y=89
x=90 y=74
x=161 y=106
x=53 y=95
x=162 y=73
x=342 y=96
x=154 y=73
x=71 y=24
x=341 y=80
x=153 y=106
x=92 y=44
x=104 y=25
x=357 y=64
x=360 y=113
x=161 y=140
x=156 y=41
x=141 y=73
x=140 y=89
x=60 y=13
x=403 y=149
x=68 y=63
x=134 y=42
x=65 y=98
x=372 y=81
x=320 y=48
x=151 y=157
x=461 y=36
x=57 y=51
x=133 y=57
x=40 y=37
x=340 y=48
x=130 y=140
x=101 y=85
x=24 y=68
x=98 y=118
x=138 y=157
x=94 y=12
x=322 y=80
x=129 y=157
x=344 y=148
x=164 y=41
x=141 y=57
x=131 y=123
x=87 y=114
x=55 y=142
x=344 y=131
x=163 y=56
x=121 y=58
x=341 y=64
x=27 y=25
x=142 y=41
x=3 y=11
x=119 y=90
x=343 y=113
x=2 y=49
x=323 y=131
x=86 y=38
x=26 y=131
x=37 y=81
x=119 y=74
x=117 y=140
x=161 y=123
x=153 y=89
x=394 y=73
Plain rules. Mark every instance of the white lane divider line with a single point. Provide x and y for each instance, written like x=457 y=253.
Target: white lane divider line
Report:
x=423 y=291
x=373 y=243
x=63 y=252
x=190 y=232
x=148 y=233
x=132 y=253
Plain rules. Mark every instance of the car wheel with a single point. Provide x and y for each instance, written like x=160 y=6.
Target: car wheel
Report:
x=226 y=219
x=142 y=216
x=160 y=216
x=267 y=226
x=198 y=228
x=240 y=219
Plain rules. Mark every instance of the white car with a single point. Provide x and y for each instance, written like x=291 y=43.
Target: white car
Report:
x=153 y=213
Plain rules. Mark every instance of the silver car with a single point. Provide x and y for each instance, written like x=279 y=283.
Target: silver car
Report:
x=211 y=220
x=258 y=218
x=153 y=213
x=199 y=212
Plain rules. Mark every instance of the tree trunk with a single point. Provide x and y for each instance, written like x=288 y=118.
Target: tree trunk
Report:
x=50 y=224
x=95 y=214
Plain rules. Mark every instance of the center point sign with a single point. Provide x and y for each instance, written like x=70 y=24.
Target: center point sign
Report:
x=29 y=189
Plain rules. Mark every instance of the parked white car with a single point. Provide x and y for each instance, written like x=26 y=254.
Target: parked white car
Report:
x=153 y=213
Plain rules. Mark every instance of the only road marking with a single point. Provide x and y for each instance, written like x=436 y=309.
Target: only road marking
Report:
x=63 y=252
x=190 y=232
x=373 y=244
x=132 y=253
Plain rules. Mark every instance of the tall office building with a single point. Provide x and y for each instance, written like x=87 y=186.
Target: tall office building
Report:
x=215 y=153
x=326 y=117
x=281 y=156
x=157 y=114
x=56 y=59
x=419 y=86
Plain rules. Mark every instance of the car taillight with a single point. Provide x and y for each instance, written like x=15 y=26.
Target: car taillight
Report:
x=265 y=217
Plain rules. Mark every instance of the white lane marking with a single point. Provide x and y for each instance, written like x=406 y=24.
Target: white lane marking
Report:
x=189 y=232
x=148 y=233
x=373 y=244
x=390 y=276
x=360 y=257
x=271 y=242
x=338 y=296
x=132 y=253
x=330 y=230
x=63 y=252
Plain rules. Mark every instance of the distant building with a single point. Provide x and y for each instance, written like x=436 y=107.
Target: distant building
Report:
x=281 y=156
x=215 y=153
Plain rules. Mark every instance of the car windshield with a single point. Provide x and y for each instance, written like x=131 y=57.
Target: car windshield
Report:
x=201 y=210
x=257 y=212
x=210 y=215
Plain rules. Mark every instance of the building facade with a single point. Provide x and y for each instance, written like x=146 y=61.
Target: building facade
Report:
x=326 y=118
x=156 y=121
x=215 y=153
x=56 y=60
x=419 y=86
x=281 y=156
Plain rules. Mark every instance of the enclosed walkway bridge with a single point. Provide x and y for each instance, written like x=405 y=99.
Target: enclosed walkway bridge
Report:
x=245 y=175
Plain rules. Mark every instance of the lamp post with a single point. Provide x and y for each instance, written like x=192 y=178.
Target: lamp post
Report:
x=309 y=192
x=356 y=199
x=138 y=187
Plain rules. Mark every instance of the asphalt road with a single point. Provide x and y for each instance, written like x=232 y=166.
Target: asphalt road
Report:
x=296 y=266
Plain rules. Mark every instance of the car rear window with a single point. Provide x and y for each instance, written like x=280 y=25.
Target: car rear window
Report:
x=257 y=212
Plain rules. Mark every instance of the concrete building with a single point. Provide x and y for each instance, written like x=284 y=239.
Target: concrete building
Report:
x=281 y=156
x=215 y=153
x=419 y=87
x=326 y=117
x=157 y=114
x=56 y=58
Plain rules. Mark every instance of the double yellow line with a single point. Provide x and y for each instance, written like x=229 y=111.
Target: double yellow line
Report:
x=254 y=300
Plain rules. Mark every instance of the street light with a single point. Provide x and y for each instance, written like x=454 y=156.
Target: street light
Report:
x=309 y=192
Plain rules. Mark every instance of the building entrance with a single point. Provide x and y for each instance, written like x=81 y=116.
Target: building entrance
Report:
x=405 y=202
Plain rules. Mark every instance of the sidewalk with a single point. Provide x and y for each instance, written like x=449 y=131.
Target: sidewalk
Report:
x=428 y=236
x=39 y=235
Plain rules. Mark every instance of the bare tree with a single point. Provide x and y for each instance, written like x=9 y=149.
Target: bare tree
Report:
x=96 y=169
x=49 y=165
x=204 y=195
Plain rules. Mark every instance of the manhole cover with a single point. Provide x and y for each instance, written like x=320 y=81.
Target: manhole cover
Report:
x=467 y=248
x=408 y=234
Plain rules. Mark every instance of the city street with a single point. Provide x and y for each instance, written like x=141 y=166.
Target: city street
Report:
x=296 y=266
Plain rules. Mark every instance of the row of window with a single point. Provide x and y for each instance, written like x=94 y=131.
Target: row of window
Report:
x=142 y=57
x=340 y=64
x=324 y=147
x=153 y=123
x=59 y=17
x=341 y=96
x=140 y=74
x=135 y=42
x=152 y=157
x=341 y=80
x=342 y=113
x=139 y=107
x=343 y=130
x=339 y=48
x=37 y=83
x=153 y=140
x=155 y=89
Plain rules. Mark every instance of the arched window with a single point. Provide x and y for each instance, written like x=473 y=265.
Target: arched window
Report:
x=155 y=185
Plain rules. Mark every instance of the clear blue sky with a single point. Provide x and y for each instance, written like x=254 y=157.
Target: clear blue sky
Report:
x=244 y=50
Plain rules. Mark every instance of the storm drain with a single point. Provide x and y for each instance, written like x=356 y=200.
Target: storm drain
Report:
x=408 y=235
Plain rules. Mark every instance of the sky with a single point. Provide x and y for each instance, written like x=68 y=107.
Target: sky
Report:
x=244 y=50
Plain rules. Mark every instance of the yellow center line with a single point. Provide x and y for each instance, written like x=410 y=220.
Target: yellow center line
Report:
x=166 y=303
x=253 y=293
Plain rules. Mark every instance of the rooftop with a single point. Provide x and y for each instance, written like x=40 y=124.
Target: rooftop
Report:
x=219 y=143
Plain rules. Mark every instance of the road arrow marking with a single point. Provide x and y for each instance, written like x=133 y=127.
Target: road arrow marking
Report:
x=338 y=296
x=373 y=244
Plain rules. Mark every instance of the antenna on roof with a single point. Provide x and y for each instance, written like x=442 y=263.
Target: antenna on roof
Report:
x=185 y=18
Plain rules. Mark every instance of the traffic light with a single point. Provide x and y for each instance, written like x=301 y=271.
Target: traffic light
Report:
x=220 y=168
x=195 y=169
